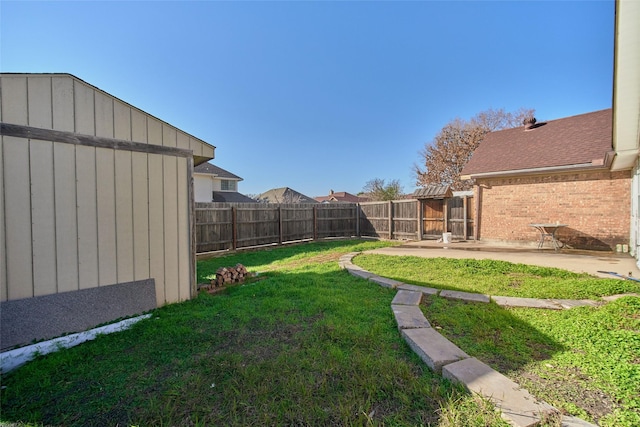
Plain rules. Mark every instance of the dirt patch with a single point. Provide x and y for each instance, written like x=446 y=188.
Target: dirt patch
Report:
x=571 y=386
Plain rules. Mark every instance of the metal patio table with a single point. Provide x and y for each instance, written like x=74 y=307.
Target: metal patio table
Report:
x=549 y=230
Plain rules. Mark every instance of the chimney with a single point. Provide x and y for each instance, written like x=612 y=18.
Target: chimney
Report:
x=529 y=123
x=330 y=192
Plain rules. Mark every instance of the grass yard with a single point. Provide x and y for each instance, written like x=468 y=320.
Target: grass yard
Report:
x=585 y=361
x=304 y=343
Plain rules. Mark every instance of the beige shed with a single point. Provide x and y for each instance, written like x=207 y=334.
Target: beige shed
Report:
x=96 y=207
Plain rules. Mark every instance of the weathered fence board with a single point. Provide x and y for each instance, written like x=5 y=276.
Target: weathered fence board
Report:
x=224 y=226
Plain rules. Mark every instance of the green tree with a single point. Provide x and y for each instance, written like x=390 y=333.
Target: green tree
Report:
x=442 y=159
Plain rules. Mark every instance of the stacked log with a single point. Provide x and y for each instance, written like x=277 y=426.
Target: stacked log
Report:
x=227 y=275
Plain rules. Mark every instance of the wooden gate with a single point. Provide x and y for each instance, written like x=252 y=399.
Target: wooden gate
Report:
x=433 y=218
x=460 y=217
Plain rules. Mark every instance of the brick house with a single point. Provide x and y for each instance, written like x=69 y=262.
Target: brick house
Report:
x=553 y=172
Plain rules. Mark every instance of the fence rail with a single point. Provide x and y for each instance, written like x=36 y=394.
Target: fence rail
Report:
x=231 y=226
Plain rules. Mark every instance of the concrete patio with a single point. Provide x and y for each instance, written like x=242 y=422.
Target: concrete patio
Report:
x=579 y=261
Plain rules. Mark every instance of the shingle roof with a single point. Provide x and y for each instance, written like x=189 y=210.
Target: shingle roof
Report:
x=285 y=195
x=578 y=140
x=210 y=169
x=433 y=191
x=231 y=197
x=339 y=196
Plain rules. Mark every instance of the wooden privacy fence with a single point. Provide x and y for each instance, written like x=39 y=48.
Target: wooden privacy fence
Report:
x=230 y=226
x=222 y=226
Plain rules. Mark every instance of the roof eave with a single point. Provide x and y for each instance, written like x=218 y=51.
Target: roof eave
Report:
x=538 y=171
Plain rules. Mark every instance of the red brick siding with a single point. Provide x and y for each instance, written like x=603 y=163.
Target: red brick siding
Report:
x=595 y=205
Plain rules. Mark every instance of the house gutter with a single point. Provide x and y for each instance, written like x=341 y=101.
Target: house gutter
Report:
x=602 y=164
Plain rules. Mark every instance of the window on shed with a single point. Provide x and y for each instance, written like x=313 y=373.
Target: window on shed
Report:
x=228 y=185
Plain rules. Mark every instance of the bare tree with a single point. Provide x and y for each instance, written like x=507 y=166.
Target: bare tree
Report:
x=377 y=190
x=443 y=159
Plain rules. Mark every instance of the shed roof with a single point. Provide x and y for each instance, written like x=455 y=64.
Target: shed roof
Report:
x=209 y=169
x=433 y=191
x=582 y=141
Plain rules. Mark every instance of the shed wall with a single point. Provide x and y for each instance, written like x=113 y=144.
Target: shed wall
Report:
x=78 y=217
x=593 y=204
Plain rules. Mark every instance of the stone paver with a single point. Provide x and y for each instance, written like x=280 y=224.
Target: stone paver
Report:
x=516 y=404
x=364 y=274
x=618 y=296
x=568 y=421
x=407 y=298
x=416 y=288
x=526 y=302
x=434 y=349
x=567 y=303
x=387 y=283
x=465 y=296
x=409 y=317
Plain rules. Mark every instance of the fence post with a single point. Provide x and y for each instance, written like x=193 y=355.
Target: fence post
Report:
x=390 y=220
x=234 y=228
x=464 y=217
x=419 y=217
x=358 y=219
x=279 y=224
x=315 y=222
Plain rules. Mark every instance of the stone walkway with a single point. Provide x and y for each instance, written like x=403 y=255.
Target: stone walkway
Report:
x=516 y=404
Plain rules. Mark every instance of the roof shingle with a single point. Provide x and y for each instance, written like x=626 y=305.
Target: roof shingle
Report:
x=577 y=140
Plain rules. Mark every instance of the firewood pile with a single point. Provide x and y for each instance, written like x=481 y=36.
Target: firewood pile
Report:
x=226 y=275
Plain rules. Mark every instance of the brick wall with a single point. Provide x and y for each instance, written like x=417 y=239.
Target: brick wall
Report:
x=595 y=205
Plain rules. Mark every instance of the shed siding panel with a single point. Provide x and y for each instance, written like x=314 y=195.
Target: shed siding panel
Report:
x=124 y=216
x=104 y=115
x=105 y=191
x=87 y=217
x=154 y=129
x=84 y=109
x=3 y=242
x=39 y=101
x=195 y=146
x=184 y=243
x=14 y=100
x=64 y=159
x=169 y=136
x=138 y=126
x=156 y=225
x=170 y=228
x=63 y=114
x=122 y=121
x=183 y=141
x=43 y=226
x=17 y=201
x=140 y=216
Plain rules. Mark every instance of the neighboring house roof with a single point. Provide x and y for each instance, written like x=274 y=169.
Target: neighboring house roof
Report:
x=284 y=195
x=571 y=143
x=231 y=197
x=208 y=168
x=340 y=196
x=433 y=191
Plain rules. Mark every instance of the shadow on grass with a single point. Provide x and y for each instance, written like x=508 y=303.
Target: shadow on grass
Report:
x=303 y=347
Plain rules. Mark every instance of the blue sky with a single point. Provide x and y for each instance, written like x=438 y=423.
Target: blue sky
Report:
x=327 y=94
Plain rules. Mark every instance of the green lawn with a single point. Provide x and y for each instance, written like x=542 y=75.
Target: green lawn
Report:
x=305 y=343
x=308 y=344
x=585 y=361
